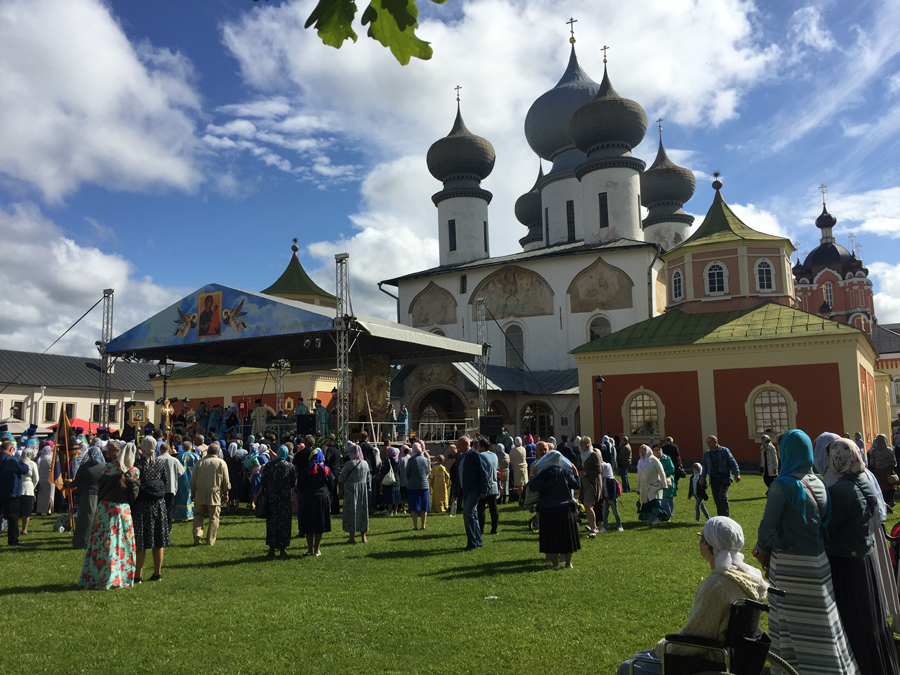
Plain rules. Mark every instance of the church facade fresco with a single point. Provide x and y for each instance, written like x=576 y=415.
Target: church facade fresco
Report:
x=433 y=306
x=514 y=291
x=600 y=286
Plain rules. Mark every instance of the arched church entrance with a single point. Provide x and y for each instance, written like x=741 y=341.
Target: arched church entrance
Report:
x=438 y=415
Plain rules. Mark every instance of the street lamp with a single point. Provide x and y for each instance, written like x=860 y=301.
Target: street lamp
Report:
x=166 y=368
x=599 y=382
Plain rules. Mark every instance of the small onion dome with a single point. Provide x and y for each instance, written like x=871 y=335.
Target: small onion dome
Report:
x=547 y=121
x=460 y=153
x=665 y=181
x=608 y=119
x=528 y=206
x=825 y=308
x=826 y=220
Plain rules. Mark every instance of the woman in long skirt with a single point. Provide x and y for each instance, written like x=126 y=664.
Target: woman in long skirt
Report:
x=184 y=505
x=315 y=485
x=804 y=625
x=355 y=479
x=87 y=485
x=45 y=491
x=851 y=554
x=109 y=559
x=651 y=481
x=278 y=478
x=558 y=533
x=151 y=520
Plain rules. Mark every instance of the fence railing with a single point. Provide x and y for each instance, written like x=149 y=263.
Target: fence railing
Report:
x=445 y=431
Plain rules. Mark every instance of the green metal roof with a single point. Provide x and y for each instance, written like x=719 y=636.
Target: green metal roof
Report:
x=721 y=225
x=211 y=370
x=295 y=281
x=769 y=321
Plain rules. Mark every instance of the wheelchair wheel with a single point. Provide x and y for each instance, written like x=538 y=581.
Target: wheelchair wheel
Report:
x=786 y=668
x=533 y=523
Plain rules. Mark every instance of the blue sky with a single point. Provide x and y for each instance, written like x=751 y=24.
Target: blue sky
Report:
x=158 y=147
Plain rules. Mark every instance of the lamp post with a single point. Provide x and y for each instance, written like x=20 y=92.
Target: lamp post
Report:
x=166 y=368
x=599 y=382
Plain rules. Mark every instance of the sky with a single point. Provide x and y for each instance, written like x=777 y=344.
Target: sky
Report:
x=158 y=147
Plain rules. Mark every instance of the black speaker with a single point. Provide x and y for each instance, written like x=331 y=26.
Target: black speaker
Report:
x=128 y=431
x=490 y=425
x=306 y=424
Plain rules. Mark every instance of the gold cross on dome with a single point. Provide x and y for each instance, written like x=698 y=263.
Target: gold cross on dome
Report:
x=659 y=122
x=572 y=23
x=603 y=49
x=822 y=190
x=457 y=88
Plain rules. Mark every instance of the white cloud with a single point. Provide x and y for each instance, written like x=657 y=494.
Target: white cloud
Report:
x=79 y=103
x=808 y=29
x=887 y=299
x=101 y=231
x=49 y=297
x=759 y=219
x=875 y=211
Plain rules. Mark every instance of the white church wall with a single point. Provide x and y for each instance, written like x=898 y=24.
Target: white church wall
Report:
x=623 y=189
x=554 y=198
x=469 y=215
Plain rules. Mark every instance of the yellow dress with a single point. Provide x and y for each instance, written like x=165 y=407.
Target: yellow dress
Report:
x=439 y=484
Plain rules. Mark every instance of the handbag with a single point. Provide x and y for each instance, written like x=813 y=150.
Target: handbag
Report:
x=389 y=478
x=679 y=472
x=262 y=506
x=152 y=489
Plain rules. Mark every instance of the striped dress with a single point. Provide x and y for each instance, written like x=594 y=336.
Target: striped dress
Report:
x=804 y=625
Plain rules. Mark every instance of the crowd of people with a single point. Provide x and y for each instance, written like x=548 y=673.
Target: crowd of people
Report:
x=819 y=540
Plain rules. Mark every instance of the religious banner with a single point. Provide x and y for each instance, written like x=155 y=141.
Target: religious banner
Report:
x=63 y=453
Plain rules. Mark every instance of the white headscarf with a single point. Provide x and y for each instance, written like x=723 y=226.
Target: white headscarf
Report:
x=585 y=453
x=727 y=539
x=500 y=450
x=644 y=463
x=518 y=441
x=127 y=456
x=606 y=469
x=553 y=458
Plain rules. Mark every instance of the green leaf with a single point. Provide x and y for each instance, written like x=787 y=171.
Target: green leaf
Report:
x=332 y=19
x=393 y=23
x=439 y=2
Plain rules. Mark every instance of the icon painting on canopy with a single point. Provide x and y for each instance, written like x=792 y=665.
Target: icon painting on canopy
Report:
x=210 y=324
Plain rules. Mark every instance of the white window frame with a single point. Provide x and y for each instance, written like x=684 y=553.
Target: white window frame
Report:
x=661 y=415
x=17 y=403
x=756 y=268
x=725 y=275
x=594 y=318
x=74 y=410
x=750 y=408
x=680 y=277
x=828 y=293
x=53 y=417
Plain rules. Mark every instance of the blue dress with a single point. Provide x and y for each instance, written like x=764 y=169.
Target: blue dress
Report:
x=184 y=507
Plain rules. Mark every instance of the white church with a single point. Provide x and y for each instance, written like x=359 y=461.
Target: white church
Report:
x=589 y=266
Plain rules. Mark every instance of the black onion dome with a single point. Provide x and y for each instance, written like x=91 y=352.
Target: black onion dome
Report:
x=832 y=256
x=666 y=181
x=826 y=219
x=528 y=206
x=609 y=118
x=461 y=153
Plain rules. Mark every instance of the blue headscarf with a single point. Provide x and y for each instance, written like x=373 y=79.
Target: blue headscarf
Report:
x=283 y=453
x=317 y=462
x=796 y=453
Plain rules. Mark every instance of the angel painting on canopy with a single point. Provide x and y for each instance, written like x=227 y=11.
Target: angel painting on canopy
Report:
x=185 y=323
x=232 y=317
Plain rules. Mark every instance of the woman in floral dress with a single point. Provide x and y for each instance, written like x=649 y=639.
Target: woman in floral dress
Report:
x=278 y=478
x=184 y=507
x=109 y=559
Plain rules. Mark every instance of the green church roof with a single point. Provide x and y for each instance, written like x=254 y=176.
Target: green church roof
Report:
x=769 y=321
x=722 y=225
x=295 y=281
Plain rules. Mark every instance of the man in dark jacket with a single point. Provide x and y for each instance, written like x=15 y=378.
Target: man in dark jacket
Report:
x=671 y=451
x=333 y=462
x=11 y=472
x=719 y=466
x=475 y=480
x=567 y=451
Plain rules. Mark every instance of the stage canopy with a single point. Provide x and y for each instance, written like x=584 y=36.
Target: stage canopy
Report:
x=228 y=326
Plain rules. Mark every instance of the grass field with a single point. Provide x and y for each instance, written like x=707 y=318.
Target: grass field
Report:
x=406 y=602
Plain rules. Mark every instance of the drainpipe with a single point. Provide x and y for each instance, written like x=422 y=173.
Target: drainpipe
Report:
x=395 y=297
x=650 y=281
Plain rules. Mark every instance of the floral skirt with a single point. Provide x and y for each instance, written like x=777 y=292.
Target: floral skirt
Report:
x=109 y=559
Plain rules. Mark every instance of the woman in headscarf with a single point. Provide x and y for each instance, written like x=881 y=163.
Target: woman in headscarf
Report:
x=591 y=476
x=355 y=479
x=278 y=477
x=402 y=461
x=503 y=468
x=730 y=579
x=390 y=493
x=29 y=482
x=671 y=490
x=519 y=467
x=253 y=462
x=184 y=505
x=86 y=485
x=314 y=485
x=883 y=466
x=768 y=461
x=235 y=465
x=151 y=519
x=804 y=625
x=45 y=491
x=850 y=549
x=417 y=470
x=530 y=446
x=439 y=486
x=651 y=481
x=554 y=482
x=109 y=559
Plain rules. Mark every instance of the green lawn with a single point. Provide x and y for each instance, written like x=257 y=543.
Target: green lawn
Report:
x=406 y=602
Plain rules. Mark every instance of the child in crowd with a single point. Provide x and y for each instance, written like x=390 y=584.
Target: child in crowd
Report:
x=698 y=492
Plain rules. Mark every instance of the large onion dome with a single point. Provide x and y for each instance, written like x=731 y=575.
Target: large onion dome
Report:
x=547 y=121
x=665 y=181
x=608 y=120
x=528 y=206
x=828 y=254
x=461 y=153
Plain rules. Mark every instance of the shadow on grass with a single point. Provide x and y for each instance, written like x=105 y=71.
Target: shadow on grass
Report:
x=394 y=555
x=414 y=537
x=228 y=563
x=747 y=499
x=492 y=568
x=34 y=590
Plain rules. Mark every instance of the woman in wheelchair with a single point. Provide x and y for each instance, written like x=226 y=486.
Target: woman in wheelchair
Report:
x=730 y=579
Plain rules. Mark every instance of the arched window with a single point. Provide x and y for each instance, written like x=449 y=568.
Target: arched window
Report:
x=463 y=283
x=716 y=279
x=537 y=419
x=829 y=294
x=599 y=328
x=677 y=285
x=643 y=416
x=515 y=347
x=764 y=279
x=770 y=411
x=439 y=331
